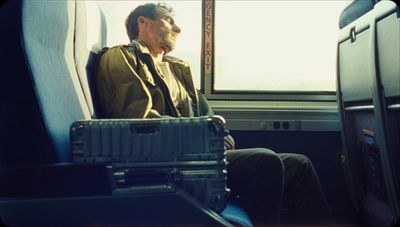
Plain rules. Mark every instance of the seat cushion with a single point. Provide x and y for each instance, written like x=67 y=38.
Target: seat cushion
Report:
x=236 y=215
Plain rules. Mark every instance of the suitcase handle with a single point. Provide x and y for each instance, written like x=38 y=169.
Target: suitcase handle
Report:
x=147 y=177
x=152 y=128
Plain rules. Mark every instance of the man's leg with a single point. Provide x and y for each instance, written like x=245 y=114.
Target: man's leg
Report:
x=256 y=176
x=303 y=192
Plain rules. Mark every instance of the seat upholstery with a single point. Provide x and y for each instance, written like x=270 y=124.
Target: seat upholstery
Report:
x=50 y=56
x=236 y=215
x=90 y=38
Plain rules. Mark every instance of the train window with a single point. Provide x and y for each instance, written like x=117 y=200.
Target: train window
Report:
x=278 y=46
x=187 y=16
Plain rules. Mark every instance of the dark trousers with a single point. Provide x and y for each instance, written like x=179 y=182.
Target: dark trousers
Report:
x=261 y=178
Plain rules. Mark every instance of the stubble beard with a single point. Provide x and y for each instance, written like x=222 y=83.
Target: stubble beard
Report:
x=167 y=42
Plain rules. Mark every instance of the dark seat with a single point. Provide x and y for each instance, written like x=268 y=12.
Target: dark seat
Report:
x=369 y=97
x=47 y=53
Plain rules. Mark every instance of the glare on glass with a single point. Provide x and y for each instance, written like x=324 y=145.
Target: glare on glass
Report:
x=276 y=45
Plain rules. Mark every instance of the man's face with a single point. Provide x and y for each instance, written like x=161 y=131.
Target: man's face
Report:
x=163 y=31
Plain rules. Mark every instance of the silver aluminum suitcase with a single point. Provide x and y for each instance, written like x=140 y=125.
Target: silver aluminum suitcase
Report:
x=184 y=152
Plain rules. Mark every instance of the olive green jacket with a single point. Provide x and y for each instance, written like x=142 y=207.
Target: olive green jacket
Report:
x=130 y=85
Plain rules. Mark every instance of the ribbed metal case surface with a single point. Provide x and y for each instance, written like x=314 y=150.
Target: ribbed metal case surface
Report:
x=155 y=140
x=187 y=152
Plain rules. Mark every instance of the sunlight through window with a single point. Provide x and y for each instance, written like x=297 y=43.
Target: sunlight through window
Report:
x=276 y=45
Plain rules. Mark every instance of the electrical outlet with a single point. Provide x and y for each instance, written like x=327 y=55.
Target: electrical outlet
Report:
x=282 y=125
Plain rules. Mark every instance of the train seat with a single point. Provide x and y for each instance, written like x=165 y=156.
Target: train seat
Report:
x=368 y=97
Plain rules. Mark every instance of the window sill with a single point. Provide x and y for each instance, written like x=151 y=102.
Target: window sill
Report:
x=278 y=116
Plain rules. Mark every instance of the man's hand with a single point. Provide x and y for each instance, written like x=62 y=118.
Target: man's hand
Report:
x=229 y=142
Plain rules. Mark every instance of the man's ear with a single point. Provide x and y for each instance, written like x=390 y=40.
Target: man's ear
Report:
x=141 y=20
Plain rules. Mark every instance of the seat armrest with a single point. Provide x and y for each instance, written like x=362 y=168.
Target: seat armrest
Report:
x=56 y=180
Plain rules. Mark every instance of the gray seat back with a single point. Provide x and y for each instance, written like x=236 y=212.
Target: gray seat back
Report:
x=368 y=86
x=49 y=53
x=46 y=59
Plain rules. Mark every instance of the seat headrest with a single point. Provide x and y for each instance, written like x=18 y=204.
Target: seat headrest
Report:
x=90 y=26
x=355 y=10
x=90 y=38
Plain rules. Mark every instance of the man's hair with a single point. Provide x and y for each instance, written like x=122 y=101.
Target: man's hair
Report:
x=148 y=10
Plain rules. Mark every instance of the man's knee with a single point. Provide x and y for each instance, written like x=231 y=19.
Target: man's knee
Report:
x=262 y=159
x=268 y=160
x=257 y=163
x=298 y=164
x=269 y=168
x=302 y=160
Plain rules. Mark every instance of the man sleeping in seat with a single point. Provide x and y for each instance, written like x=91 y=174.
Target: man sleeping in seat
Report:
x=139 y=80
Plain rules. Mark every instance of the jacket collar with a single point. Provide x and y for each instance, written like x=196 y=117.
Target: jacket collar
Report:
x=144 y=50
x=140 y=46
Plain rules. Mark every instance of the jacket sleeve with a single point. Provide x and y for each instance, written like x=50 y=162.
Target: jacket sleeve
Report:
x=120 y=91
x=204 y=109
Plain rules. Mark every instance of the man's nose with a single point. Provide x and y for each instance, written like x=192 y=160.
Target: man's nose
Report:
x=176 y=28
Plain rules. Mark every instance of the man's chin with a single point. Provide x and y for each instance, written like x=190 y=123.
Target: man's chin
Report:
x=168 y=48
